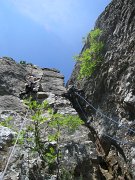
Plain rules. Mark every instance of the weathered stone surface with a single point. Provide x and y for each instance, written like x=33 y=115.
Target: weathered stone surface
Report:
x=6 y=141
x=111 y=88
x=52 y=81
x=42 y=95
x=12 y=77
x=75 y=146
x=104 y=149
x=41 y=84
x=6 y=136
x=9 y=102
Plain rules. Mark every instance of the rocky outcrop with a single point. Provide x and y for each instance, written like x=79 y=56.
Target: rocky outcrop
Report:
x=13 y=78
x=111 y=88
x=18 y=82
x=103 y=149
x=52 y=81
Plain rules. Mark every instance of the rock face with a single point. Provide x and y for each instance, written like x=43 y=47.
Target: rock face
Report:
x=111 y=88
x=13 y=78
x=18 y=82
x=103 y=149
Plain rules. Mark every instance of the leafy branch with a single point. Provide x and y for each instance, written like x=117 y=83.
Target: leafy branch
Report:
x=92 y=56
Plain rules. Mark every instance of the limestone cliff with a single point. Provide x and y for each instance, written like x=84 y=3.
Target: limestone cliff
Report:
x=111 y=88
x=18 y=82
x=103 y=149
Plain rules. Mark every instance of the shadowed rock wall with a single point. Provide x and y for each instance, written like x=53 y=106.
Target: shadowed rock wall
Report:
x=111 y=88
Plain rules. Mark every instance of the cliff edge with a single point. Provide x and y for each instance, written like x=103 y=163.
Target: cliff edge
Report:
x=111 y=87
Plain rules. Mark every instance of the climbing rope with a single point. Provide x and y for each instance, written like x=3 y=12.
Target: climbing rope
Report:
x=119 y=141
x=22 y=125
x=131 y=130
x=13 y=149
x=81 y=108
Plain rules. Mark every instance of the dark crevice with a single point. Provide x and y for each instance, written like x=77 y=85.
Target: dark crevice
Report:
x=103 y=163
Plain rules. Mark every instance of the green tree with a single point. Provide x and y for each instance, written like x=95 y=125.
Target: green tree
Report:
x=32 y=137
x=50 y=154
x=92 y=56
x=60 y=123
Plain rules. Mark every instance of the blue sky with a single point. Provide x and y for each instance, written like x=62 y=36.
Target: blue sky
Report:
x=47 y=33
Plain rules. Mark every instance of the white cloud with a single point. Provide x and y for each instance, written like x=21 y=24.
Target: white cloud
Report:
x=48 y=13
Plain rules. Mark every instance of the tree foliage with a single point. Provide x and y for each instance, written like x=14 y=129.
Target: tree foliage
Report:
x=23 y=62
x=49 y=152
x=92 y=56
x=43 y=135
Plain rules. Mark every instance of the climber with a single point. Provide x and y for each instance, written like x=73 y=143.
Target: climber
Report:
x=32 y=85
x=32 y=81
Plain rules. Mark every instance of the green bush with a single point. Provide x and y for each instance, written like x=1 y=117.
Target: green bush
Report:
x=57 y=123
x=7 y=122
x=8 y=58
x=22 y=62
x=92 y=56
x=47 y=145
x=25 y=63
